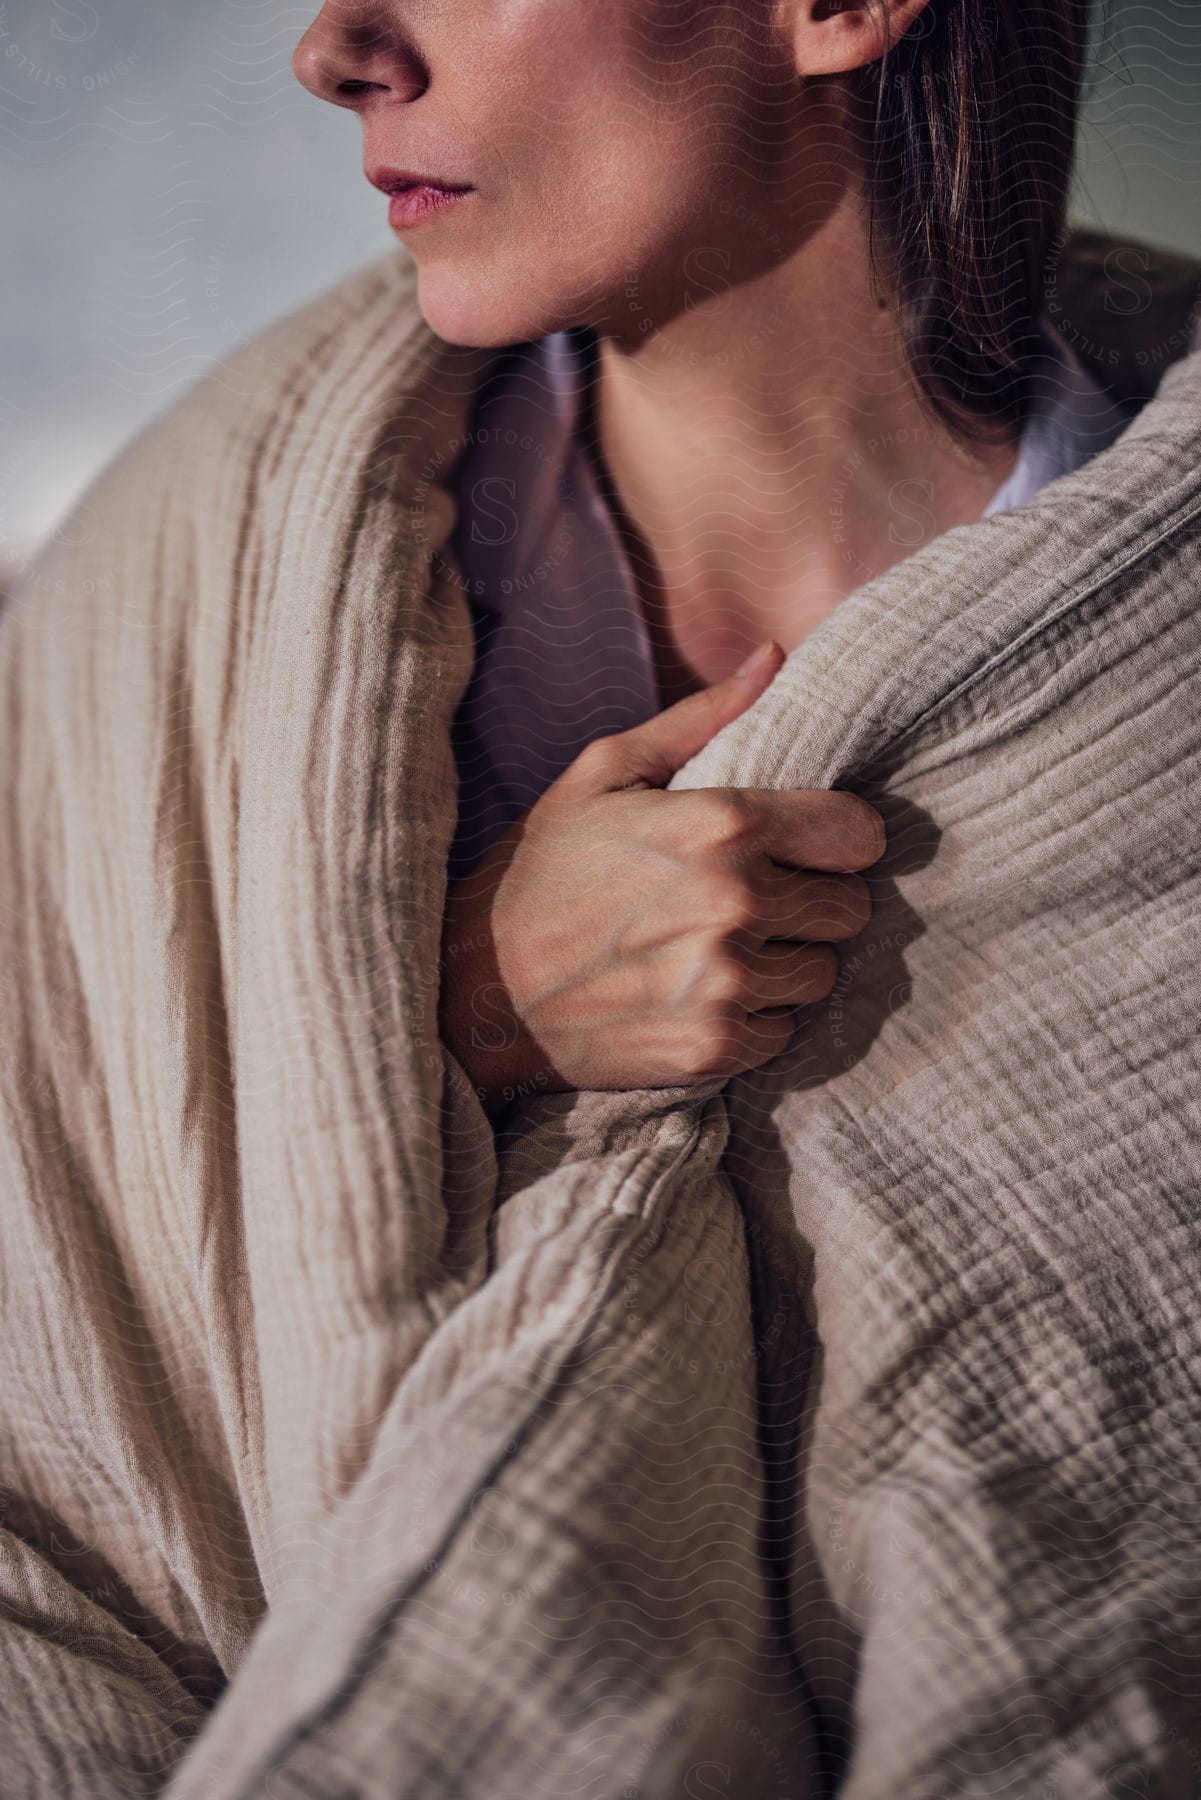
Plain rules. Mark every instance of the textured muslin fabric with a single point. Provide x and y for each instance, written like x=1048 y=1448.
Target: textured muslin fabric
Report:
x=658 y=1443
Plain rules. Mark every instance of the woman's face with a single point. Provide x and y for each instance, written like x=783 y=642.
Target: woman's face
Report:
x=628 y=157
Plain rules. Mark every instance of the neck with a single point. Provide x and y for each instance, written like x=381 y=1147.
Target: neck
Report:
x=767 y=453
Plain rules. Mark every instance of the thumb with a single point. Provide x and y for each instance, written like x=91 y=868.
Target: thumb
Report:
x=649 y=755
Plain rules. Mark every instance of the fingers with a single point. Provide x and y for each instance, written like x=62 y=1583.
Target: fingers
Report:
x=758 y=1026
x=730 y=1044
x=784 y=974
x=745 y=906
x=818 y=828
x=648 y=755
x=765 y=1034
x=812 y=908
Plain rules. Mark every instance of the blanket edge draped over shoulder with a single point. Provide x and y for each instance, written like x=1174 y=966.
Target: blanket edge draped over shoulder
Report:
x=350 y=1448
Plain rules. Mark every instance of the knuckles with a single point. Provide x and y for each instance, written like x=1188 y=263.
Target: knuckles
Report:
x=725 y=902
x=722 y=983
x=714 y=1052
x=599 y=762
x=725 y=820
x=719 y=817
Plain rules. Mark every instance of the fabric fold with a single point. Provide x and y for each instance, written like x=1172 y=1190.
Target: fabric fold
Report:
x=354 y=1449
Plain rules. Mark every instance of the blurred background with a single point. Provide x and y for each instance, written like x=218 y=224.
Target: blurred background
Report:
x=168 y=188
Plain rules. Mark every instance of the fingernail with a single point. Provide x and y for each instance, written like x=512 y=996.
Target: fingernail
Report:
x=758 y=659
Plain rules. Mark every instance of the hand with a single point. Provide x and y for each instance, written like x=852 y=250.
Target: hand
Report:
x=621 y=936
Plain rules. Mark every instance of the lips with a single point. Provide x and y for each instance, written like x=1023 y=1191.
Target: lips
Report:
x=412 y=205
x=396 y=181
x=415 y=196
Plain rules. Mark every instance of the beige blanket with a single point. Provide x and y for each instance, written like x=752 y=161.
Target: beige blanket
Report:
x=840 y=1425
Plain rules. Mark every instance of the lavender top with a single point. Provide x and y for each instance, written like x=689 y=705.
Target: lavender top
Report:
x=562 y=650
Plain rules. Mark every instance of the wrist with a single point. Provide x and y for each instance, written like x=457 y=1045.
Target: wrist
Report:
x=476 y=1015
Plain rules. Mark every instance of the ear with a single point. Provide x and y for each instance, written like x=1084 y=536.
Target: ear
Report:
x=832 y=37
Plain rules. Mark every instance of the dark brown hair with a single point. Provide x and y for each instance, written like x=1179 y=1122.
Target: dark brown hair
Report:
x=969 y=127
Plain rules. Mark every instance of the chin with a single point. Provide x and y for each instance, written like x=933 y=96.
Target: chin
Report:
x=467 y=310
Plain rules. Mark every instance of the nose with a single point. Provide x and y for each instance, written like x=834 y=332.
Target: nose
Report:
x=352 y=56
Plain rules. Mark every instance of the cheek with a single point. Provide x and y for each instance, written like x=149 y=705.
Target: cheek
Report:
x=600 y=217
x=588 y=232
x=579 y=172
x=600 y=144
x=569 y=98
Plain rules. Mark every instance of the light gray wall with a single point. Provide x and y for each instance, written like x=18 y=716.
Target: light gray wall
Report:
x=168 y=188
x=1139 y=163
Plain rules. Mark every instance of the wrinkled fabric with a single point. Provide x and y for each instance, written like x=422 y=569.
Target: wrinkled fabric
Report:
x=835 y=1427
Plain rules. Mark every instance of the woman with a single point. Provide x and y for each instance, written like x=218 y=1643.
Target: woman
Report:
x=771 y=414
x=777 y=1395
